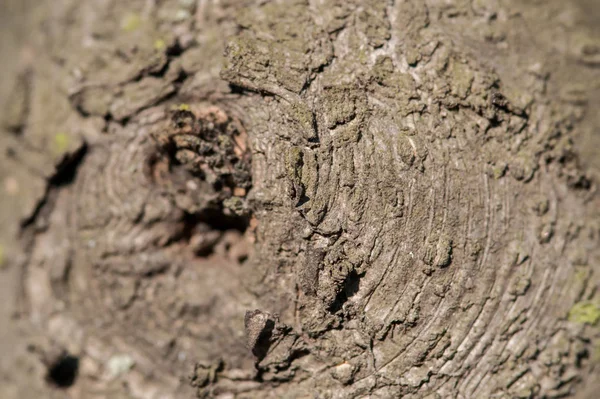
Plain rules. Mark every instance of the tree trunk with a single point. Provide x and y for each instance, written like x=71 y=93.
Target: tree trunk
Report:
x=303 y=198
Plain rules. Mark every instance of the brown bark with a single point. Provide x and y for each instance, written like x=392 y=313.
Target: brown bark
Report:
x=333 y=199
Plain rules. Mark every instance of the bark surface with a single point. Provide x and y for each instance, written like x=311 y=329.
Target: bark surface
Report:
x=332 y=199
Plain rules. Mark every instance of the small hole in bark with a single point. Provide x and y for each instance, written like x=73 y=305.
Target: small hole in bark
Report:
x=218 y=220
x=63 y=372
x=349 y=288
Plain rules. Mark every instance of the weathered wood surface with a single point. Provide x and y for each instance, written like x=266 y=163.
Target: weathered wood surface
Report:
x=329 y=199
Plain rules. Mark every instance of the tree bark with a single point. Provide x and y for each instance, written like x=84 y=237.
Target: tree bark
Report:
x=332 y=199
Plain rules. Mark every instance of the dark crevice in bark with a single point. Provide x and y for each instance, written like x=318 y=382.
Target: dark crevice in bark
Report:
x=180 y=79
x=157 y=74
x=205 y=229
x=66 y=171
x=218 y=220
x=263 y=342
x=175 y=50
x=349 y=287
x=236 y=89
x=241 y=90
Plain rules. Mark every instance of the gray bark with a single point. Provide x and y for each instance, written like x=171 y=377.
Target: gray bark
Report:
x=332 y=199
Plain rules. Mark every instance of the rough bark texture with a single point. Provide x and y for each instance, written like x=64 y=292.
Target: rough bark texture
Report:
x=332 y=199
